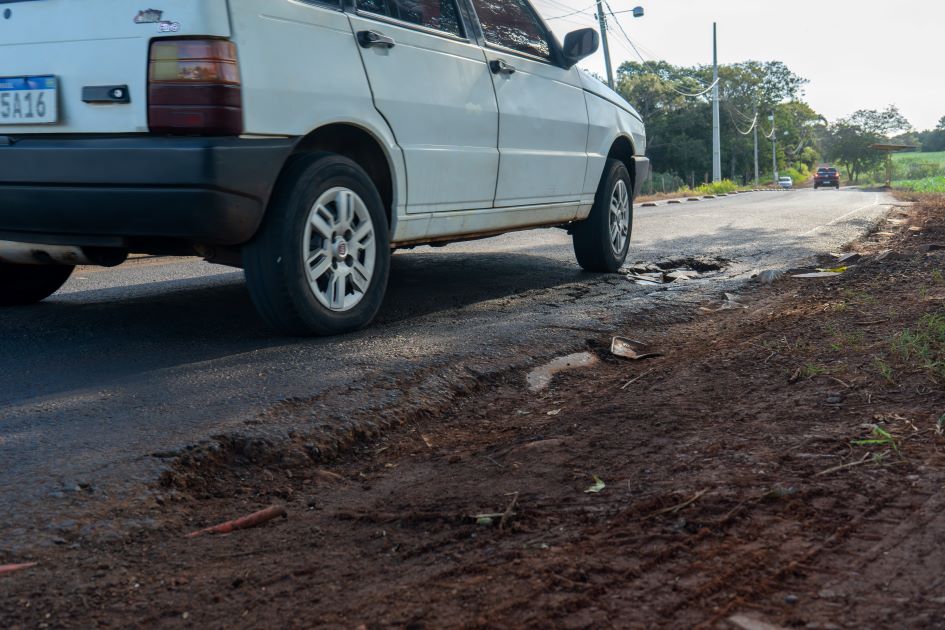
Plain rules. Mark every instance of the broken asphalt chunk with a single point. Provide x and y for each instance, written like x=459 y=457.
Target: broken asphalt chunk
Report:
x=630 y=349
x=849 y=258
x=770 y=276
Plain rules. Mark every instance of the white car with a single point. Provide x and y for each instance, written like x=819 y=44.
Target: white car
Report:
x=300 y=139
x=786 y=182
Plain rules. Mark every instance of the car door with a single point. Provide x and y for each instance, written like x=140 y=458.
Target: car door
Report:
x=543 y=123
x=433 y=86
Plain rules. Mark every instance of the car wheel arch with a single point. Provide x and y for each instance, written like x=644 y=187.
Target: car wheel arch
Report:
x=622 y=149
x=362 y=147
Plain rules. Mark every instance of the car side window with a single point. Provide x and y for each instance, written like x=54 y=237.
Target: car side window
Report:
x=441 y=15
x=513 y=24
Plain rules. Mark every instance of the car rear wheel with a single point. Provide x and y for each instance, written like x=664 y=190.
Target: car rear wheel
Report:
x=320 y=263
x=27 y=284
x=601 y=241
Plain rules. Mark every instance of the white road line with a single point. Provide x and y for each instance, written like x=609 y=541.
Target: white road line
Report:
x=841 y=218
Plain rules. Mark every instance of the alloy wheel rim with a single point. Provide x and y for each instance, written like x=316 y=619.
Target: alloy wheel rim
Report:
x=619 y=217
x=339 y=249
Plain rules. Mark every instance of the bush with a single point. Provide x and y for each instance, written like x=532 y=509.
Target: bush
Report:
x=915 y=169
x=927 y=185
x=717 y=188
x=798 y=175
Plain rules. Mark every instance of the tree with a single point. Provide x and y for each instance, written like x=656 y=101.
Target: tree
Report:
x=933 y=139
x=679 y=124
x=848 y=140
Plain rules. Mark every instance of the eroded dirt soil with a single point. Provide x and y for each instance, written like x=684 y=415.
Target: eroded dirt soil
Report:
x=782 y=462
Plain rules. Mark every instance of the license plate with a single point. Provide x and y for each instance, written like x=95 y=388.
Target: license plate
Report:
x=28 y=100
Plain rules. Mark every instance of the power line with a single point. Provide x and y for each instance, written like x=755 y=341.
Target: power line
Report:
x=754 y=123
x=633 y=46
x=558 y=17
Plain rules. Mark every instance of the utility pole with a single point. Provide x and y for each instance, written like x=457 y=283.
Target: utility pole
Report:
x=756 y=147
x=716 y=127
x=603 y=38
x=774 y=150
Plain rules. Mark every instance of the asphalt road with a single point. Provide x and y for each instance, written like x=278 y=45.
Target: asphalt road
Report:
x=162 y=353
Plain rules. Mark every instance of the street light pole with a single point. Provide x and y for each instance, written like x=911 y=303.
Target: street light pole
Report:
x=603 y=38
x=602 y=19
x=716 y=125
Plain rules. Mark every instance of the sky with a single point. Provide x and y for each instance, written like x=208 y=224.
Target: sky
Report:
x=857 y=54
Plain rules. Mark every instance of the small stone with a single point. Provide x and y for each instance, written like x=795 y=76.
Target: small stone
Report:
x=888 y=255
x=834 y=399
x=931 y=247
x=849 y=258
x=791 y=599
x=770 y=276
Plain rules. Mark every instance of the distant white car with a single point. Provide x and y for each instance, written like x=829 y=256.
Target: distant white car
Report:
x=786 y=182
x=302 y=140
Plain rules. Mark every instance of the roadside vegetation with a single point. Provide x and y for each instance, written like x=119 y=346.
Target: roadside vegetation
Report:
x=767 y=97
x=930 y=185
x=724 y=187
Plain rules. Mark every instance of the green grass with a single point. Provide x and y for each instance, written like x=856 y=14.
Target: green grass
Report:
x=924 y=345
x=926 y=185
x=715 y=188
x=810 y=370
x=881 y=437
x=906 y=158
x=884 y=369
x=920 y=172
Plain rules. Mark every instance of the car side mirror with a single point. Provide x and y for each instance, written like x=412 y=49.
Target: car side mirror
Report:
x=580 y=44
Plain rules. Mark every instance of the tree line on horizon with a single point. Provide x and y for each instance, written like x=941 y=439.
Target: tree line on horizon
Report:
x=677 y=109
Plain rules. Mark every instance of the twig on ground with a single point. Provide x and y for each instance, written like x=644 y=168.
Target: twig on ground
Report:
x=252 y=520
x=834 y=378
x=677 y=507
x=494 y=462
x=865 y=459
x=870 y=323
x=10 y=568
x=508 y=511
x=635 y=379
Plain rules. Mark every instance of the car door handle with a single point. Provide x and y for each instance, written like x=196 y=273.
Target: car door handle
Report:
x=501 y=67
x=371 y=39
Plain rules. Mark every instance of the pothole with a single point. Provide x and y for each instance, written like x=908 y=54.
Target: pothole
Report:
x=668 y=271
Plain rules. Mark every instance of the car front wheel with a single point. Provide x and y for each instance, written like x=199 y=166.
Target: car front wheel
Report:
x=21 y=285
x=320 y=263
x=601 y=241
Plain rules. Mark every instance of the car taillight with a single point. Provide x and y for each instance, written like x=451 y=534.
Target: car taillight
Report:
x=194 y=88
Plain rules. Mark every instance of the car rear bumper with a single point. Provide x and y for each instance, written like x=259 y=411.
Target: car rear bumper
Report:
x=642 y=168
x=203 y=190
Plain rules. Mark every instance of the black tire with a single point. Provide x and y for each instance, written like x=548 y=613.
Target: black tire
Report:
x=592 y=243
x=28 y=284
x=275 y=270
